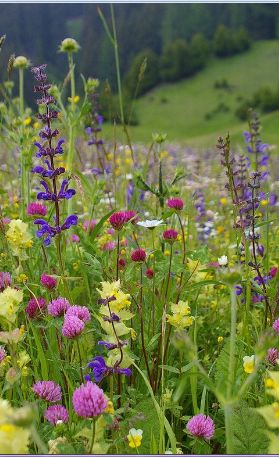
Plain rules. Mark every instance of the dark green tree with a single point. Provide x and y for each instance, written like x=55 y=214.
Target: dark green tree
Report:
x=175 y=61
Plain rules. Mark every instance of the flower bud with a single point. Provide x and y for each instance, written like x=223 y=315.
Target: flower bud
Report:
x=69 y=45
x=21 y=62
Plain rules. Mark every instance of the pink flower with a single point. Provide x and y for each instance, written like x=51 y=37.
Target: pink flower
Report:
x=75 y=238
x=89 y=400
x=56 y=413
x=48 y=390
x=276 y=326
x=2 y=354
x=5 y=280
x=36 y=209
x=201 y=426
x=109 y=246
x=138 y=255
x=72 y=327
x=122 y=263
x=170 y=235
x=35 y=306
x=272 y=356
x=89 y=225
x=175 y=203
x=79 y=311
x=149 y=273
x=118 y=220
x=48 y=281
x=131 y=215
x=58 y=307
x=273 y=271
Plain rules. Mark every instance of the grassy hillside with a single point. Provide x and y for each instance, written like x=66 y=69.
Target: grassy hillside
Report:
x=181 y=109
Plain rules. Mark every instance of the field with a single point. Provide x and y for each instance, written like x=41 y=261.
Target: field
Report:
x=139 y=296
x=180 y=109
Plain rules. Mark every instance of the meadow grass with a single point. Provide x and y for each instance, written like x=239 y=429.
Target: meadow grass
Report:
x=179 y=109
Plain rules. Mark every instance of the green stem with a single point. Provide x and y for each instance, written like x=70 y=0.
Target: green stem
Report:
x=232 y=343
x=93 y=436
x=116 y=56
x=228 y=428
x=21 y=92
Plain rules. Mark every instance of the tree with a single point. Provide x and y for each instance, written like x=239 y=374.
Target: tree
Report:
x=224 y=44
x=199 y=51
x=175 y=61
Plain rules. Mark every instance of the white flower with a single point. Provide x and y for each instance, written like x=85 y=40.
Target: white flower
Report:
x=223 y=261
x=150 y=224
x=129 y=176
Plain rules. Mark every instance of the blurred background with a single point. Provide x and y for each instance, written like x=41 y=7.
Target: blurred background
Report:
x=194 y=69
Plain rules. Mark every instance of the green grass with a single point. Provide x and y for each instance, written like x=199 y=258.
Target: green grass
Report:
x=179 y=109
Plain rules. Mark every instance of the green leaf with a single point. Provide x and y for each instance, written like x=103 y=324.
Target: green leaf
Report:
x=162 y=418
x=248 y=431
x=169 y=368
x=96 y=230
x=222 y=367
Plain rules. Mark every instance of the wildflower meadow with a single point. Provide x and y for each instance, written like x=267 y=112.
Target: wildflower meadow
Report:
x=139 y=297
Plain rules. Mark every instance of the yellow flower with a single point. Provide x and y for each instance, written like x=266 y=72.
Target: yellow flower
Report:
x=22 y=278
x=109 y=409
x=223 y=201
x=113 y=290
x=264 y=202
x=10 y=300
x=220 y=339
x=167 y=253
x=18 y=237
x=74 y=99
x=249 y=363
x=24 y=359
x=181 y=315
x=36 y=125
x=134 y=437
x=13 y=439
x=27 y=121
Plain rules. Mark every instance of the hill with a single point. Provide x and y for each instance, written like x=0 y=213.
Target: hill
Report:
x=194 y=112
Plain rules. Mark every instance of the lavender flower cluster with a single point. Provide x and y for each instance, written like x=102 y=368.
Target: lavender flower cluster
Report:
x=52 y=191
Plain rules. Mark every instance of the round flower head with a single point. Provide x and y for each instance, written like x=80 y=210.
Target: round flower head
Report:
x=275 y=326
x=131 y=216
x=117 y=220
x=56 y=414
x=36 y=209
x=223 y=261
x=48 y=390
x=272 y=356
x=21 y=62
x=35 y=306
x=5 y=280
x=89 y=400
x=138 y=255
x=58 y=307
x=175 y=203
x=149 y=273
x=2 y=354
x=79 y=311
x=201 y=426
x=72 y=326
x=170 y=235
x=48 y=281
x=69 y=45
x=89 y=225
x=75 y=238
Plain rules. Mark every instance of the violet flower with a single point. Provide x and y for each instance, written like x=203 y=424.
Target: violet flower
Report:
x=52 y=190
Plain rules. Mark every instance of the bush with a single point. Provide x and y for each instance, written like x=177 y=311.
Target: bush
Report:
x=143 y=74
x=265 y=99
x=109 y=107
x=227 y=43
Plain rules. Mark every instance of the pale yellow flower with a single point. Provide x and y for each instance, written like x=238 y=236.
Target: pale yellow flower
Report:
x=249 y=364
x=134 y=437
x=10 y=300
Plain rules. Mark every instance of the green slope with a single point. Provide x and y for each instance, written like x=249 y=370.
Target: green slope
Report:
x=179 y=109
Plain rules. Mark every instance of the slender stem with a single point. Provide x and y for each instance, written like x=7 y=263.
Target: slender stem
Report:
x=232 y=342
x=228 y=428
x=93 y=436
x=80 y=360
x=117 y=255
x=116 y=56
x=21 y=92
x=142 y=325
